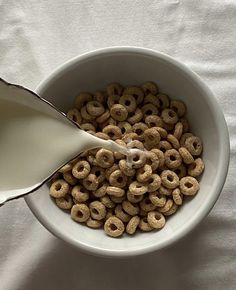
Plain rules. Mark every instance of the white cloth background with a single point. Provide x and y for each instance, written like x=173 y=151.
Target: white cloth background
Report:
x=35 y=37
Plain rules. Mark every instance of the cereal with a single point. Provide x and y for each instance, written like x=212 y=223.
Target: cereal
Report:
x=80 y=193
x=152 y=160
x=121 y=214
x=127 y=170
x=81 y=99
x=184 y=138
x=101 y=191
x=81 y=169
x=74 y=115
x=94 y=224
x=111 y=169
x=99 y=172
x=94 y=108
x=90 y=182
x=80 y=212
x=134 y=198
x=114 y=89
x=107 y=201
x=135 y=116
x=173 y=140
x=100 y=96
x=136 y=92
x=139 y=129
x=103 y=117
x=178 y=131
x=186 y=155
x=160 y=156
x=178 y=106
x=146 y=204
x=127 y=138
x=144 y=225
x=172 y=210
x=64 y=202
x=164 y=101
x=115 y=191
x=185 y=124
x=169 y=116
x=194 y=145
x=121 y=193
x=144 y=173
x=112 y=100
x=125 y=127
x=169 y=179
x=112 y=131
x=119 y=112
x=69 y=178
x=137 y=188
x=129 y=102
x=149 y=110
x=156 y=219
x=129 y=208
x=177 y=196
x=105 y=158
x=97 y=210
x=168 y=205
x=172 y=158
x=85 y=115
x=150 y=88
x=180 y=170
x=132 y=225
x=165 y=191
x=188 y=185
x=151 y=137
x=157 y=198
x=154 y=182
x=154 y=121
x=164 y=145
x=118 y=179
x=87 y=127
x=196 y=168
x=117 y=199
x=114 y=227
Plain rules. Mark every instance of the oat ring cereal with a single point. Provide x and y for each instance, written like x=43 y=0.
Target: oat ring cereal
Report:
x=157 y=198
x=196 y=168
x=119 y=112
x=169 y=179
x=137 y=188
x=112 y=131
x=156 y=219
x=144 y=173
x=122 y=194
x=150 y=88
x=172 y=158
x=94 y=108
x=59 y=188
x=132 y=225
x=129 y=102
x=189 y=185
x=81 y=169
x=114 y=227
x=105 y=158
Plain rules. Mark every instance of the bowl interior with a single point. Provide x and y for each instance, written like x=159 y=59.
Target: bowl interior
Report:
x=94 y=71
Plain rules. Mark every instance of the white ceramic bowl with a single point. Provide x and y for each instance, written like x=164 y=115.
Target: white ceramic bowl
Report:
x=131 y=65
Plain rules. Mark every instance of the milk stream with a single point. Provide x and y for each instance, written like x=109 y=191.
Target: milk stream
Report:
x=33 y=144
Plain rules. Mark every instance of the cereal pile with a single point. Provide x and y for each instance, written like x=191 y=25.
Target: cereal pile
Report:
x=101 y=190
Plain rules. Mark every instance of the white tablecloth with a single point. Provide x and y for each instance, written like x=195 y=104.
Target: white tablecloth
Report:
x=35 y=37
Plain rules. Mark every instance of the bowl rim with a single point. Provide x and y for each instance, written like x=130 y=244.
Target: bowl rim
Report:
x=224 y=155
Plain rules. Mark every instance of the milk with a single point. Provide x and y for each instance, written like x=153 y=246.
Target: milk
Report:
x=36 y=140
